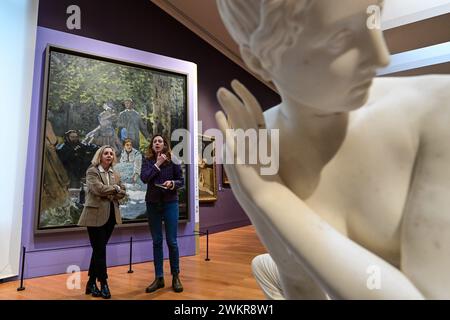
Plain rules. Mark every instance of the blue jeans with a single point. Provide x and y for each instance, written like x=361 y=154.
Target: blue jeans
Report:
x=157 y=213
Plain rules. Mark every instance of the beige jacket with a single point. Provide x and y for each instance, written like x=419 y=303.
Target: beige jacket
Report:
x=99 y=194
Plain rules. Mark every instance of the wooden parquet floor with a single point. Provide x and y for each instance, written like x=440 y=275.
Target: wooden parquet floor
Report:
x=226 y=276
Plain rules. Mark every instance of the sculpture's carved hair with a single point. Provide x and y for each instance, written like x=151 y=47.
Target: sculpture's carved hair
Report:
x=265 y=27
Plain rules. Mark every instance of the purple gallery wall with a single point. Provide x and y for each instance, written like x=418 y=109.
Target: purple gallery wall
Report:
x=142 y=25
x=52 y=253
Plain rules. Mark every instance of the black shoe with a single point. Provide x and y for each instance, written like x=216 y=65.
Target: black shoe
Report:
x=176 y=284
x=155 y=285
x=105 y=293
x=91 y=288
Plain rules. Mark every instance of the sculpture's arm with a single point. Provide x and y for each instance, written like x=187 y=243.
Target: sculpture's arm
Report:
x=426 y=221
x=291 y=231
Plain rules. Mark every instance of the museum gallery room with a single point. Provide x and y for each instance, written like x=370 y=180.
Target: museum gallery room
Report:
x=225 y=149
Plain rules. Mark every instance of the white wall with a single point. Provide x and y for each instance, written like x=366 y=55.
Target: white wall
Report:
x=418 y=58
x=18 y=22
x=400 y=12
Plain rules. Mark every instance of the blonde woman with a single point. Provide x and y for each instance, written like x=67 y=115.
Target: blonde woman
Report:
x=100 y=215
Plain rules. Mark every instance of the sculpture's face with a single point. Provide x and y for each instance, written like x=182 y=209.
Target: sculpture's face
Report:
x=332 y=64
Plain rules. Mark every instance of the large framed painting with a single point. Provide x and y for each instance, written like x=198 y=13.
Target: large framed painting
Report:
x=90 y=101
x=207 y=182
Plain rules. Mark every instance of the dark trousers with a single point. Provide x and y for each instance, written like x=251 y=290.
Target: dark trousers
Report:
x=157 y=213
x=99 y=237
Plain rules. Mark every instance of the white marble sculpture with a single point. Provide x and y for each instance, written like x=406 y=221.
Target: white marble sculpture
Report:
x=360 y=207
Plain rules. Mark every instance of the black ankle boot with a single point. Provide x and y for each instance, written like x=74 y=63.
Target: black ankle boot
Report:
x=91 y=288
x=155 y=285
x=176 y=283
x=105 y=293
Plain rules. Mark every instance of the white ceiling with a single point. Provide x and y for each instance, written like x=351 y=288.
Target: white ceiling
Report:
x=202 y=17
x=401 y=12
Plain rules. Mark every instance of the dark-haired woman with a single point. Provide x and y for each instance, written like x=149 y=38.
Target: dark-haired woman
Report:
x=163 y=178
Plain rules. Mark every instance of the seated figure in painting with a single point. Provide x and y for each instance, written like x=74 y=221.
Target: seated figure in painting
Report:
x=75 y=156
x=129 y=167
x=130 y=163
x=359 y=206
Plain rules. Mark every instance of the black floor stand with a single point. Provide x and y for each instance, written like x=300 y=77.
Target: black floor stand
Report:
x=21 y=288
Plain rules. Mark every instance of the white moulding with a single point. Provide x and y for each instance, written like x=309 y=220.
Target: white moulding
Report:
x=418 y=58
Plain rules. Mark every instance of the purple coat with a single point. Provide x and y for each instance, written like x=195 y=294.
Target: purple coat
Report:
x=151 y=174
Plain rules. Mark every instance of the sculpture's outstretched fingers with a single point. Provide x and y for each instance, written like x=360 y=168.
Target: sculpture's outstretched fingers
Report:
x=233 y=107
x=250 y=102
x=230 y=169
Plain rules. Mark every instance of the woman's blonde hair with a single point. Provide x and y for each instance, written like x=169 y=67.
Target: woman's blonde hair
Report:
x=98 y=155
